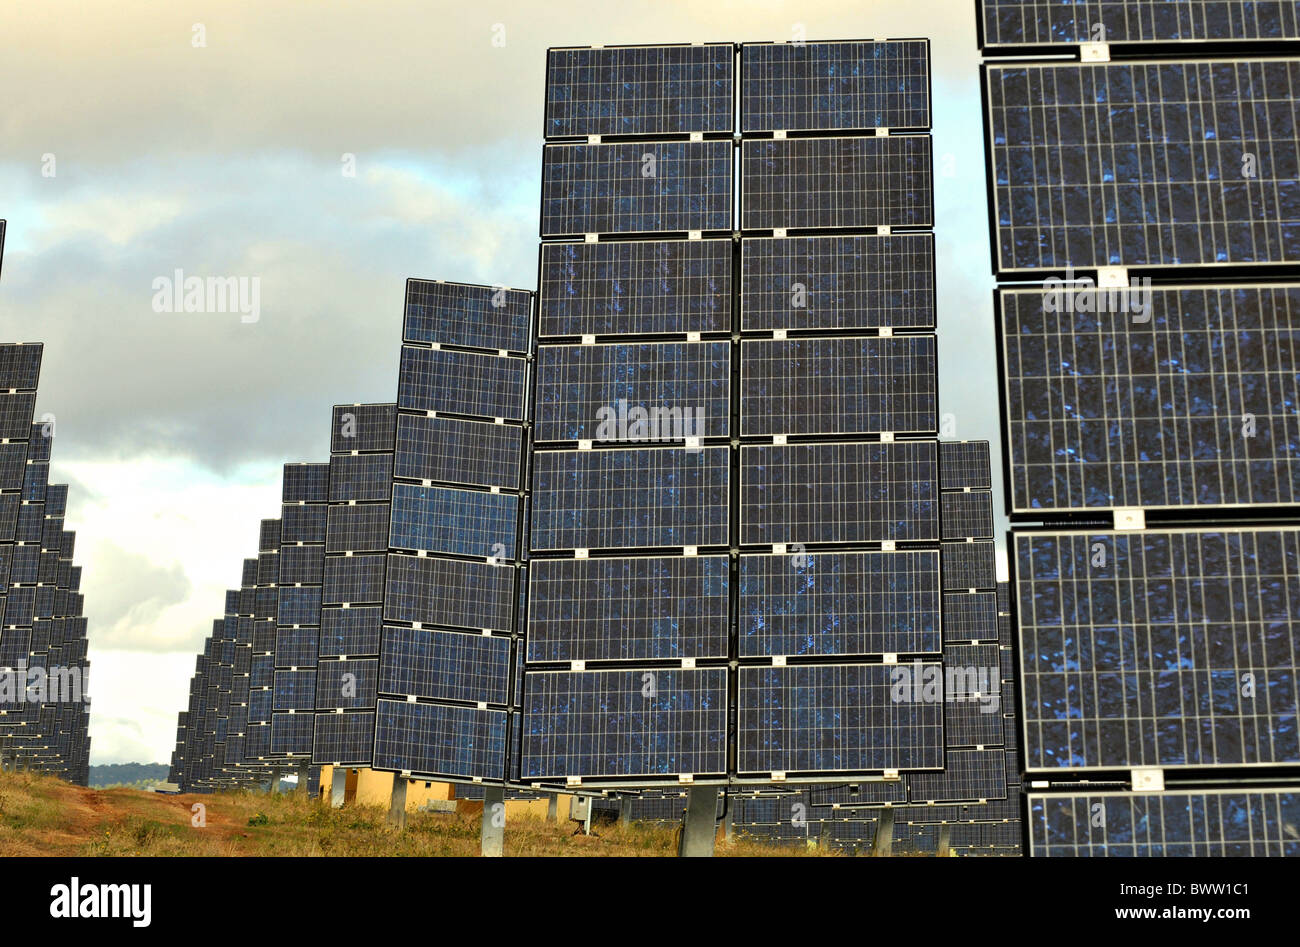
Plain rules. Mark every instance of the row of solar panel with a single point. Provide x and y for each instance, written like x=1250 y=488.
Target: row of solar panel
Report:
x=786 y=184
x=649 y=287
x=662 y=90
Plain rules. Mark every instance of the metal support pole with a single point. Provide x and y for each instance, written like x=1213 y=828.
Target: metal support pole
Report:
x=625 y=812
x=729 y=823
x=945 y=840
x=338 y=786
x=701 y=822
x=304 y=777
x=552 y=805
x=492 y=833
x=884 y=834
x=397 y=805
x=274 y=787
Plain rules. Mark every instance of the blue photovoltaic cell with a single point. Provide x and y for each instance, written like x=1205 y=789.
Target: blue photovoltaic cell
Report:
x=359 y=528
x=836 y=182
x=360 y=476
x=362 y=427
x=965 y=464
x=839 y=603
x=968 y=565
x=1139 y=661
x=343 y=738
x=449 y=592
x=292 y=733
x=835 y=86
x=967 y=515
x=641 y=287
x=628 y=609
x=627 y=499
x=636 y=187
x=1106 y=411
x=350 y=684
x=1011 y=23
x=847 y=492
x=295 y=647
x=1211 y=823
x=13 y=461
x=833 y=718
x=299 y=606
x=639 y=90
x=303 y=524
x=969 y=617
x=647 y=391
x=16 y=415
x=350 y=631
x=440 y=740
x=857 y=281
x=1141 y=164
x=301 y=565
x=305 y=482
x=444 y=665
x=839 y=385
x=294 y=690
x=489 y=317
x=973 y=698
x=617 y=723
x=443 y=380
x=455 y=451
x=460 y=522
x=20 y=365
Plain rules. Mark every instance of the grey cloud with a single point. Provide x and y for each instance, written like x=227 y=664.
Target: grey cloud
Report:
x=126 y=593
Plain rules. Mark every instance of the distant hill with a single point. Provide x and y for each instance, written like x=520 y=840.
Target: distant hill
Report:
x=137 y=775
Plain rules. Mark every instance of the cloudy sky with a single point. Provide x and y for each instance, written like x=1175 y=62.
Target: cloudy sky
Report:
x=130 y=152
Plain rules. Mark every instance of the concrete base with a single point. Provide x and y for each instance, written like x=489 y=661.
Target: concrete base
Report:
x=338 y=786
x=397 y=804
x=701 y=824
x=492 y=834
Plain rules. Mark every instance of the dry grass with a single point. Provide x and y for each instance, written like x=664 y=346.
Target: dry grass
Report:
x=40 y=815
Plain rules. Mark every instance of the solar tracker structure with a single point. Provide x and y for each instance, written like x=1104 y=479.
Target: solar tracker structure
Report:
x=1148 y=390
x=43 y=721
x=446 y=680
x=362 y=439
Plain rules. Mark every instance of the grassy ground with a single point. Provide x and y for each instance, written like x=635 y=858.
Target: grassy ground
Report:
x=40 y=815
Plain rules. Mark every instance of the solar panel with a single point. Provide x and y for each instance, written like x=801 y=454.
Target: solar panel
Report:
x=20 y=363
x=360 y=528
x=642 y=287
x=295 y=647
x=362 y=427
x=830 y=385
x=1008 y=24
x=307 y=483
x=350 y=684
x=294 y=690
x=968 y=776
x=1205 y=823
x=357 y=579
x=456 y=451
x=833 y=718
x=833 y=603
x=360 y=477
x=292 y=734
x=866 y=793
x=841 y=492
x=650 y=391
x=639 y=90
x=970 y=617
x=454 y=382
x=1191 y=405
x=299 y=606
x=460 y=522
x=449 y=592
x=968 y=566
x=16 y=415
x=1078 y=183
x=1178 y=650
x=350 y=631
x=855 y=281
x=490 y=317
x=621 y=723
x=628 y=609
x=967 y=515
x=343 y=738
x=444 y=665
x=798 y=183
x=440 y=740
x=973 y=701
x=629 y=499
x=636 y=187
x=301 y=565
x=965 y=465
x=13 y=461
x=838 y=86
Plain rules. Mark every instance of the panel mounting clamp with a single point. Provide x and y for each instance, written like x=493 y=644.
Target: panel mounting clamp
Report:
x=1130 y=518
x=1094 y=52
x=1148 y=780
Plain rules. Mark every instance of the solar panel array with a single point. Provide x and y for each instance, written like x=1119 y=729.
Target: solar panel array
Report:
x=1146 y=380
x=45 y=713
x=445 y=690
